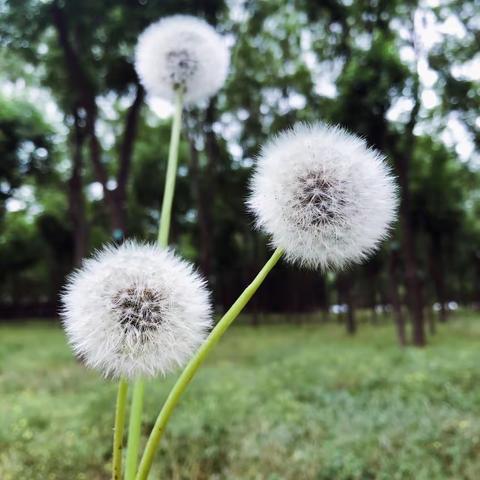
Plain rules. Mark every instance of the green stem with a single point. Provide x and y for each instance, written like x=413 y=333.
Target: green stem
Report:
x=196 y=362
x=167 y=202
x=134 y=429
x=118 y=429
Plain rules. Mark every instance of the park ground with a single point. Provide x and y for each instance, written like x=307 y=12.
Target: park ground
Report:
x=274 y=402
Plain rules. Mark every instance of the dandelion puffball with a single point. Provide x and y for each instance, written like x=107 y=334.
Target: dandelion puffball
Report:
x=323 y=196
x=182 y=52
x=135 y=310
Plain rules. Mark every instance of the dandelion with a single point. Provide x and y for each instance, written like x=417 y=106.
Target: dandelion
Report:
x=325 y=198
x=136 y=310
x=182 y=53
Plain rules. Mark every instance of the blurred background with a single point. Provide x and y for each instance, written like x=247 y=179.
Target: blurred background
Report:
x=314 y=383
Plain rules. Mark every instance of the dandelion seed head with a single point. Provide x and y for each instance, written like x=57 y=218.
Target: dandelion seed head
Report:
x=135 y=310
x=184 y=52
x=323 y=196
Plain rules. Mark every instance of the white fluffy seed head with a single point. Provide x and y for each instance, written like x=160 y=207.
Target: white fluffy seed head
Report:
x=135 y=310
x=182 y=51
x=323 y=196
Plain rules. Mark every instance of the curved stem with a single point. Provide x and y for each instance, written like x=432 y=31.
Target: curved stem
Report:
x=118 y=429
x=134 y=429
x=196 y=362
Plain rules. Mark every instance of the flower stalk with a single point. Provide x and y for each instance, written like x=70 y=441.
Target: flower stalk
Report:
x=194 y=364
x=134 y=429
x=166 y=214
x=118 y=429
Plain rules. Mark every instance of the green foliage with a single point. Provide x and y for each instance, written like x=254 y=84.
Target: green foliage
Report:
x=273 y=402
x=36 y=244
x=25 y=147
x=284 y=56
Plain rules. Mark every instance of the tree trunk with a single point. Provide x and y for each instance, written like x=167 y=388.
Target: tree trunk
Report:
x=412 y=280
x=438 y=274
x=125 y=158
x=324 y=299
x=432 y=328
x=372 y=292
x=207 y=193
x=116 y=213
x=413 y=285
x=351 y=320
x=347 y=295
x=84 y=91
x=397 y=312
x=204 y=244
x=76 y=198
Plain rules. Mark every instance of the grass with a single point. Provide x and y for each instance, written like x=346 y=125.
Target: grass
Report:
x=276 y=402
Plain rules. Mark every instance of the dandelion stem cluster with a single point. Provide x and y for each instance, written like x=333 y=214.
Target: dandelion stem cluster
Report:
x=340 y=189
x=137 y=310
x=331 y=194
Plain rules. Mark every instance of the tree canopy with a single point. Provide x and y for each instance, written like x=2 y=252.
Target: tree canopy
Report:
x=402 y=74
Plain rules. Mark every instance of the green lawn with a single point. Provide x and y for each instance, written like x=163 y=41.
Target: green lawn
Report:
x=275 y=402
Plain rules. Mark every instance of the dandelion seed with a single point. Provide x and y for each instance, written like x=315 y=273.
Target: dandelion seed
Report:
x=182 y=52
x=323 y=196
x=136 y=310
